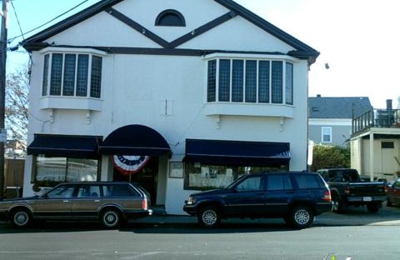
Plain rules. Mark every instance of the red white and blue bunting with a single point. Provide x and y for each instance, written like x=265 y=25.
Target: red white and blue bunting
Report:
x=130 y=164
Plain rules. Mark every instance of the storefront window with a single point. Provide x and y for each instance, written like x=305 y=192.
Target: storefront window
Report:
x=205 y=177
x=61 y=169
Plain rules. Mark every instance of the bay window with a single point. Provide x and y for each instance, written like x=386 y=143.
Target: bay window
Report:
x=250 y=81
x=72 y=74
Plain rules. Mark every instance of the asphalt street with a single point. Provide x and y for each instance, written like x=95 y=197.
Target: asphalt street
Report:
x=355 y=235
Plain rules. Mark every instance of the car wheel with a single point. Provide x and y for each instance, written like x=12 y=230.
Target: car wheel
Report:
x=209 y=216
x=300 y=217
x=110 y=218
x=389 y=203
x=21 y=218
x=373 y=207
x=337 y=204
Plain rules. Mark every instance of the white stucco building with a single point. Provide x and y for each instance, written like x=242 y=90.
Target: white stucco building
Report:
x=188 y=94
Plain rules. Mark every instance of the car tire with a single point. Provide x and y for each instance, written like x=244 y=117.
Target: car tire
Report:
x=389 y=203
x=373 y=207
x=110 y=218
x=209 y=216
x=21 y=218
x=337 y=204
x=300 y=217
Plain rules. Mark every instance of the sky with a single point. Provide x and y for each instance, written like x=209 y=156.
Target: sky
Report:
x=357 y=38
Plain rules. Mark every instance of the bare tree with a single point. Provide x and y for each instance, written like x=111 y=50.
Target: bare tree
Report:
x=16 y=108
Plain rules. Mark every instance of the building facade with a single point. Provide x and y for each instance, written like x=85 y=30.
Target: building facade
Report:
x=375 y=143
x=330 y=118
x=176 y=95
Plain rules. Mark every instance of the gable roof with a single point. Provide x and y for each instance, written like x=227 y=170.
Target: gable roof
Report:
x=301 y=50
x=337 y=107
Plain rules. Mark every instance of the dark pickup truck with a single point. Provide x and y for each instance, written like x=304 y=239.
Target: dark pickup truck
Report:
x=347 y=189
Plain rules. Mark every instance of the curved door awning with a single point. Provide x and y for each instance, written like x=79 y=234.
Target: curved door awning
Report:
x=135 y=140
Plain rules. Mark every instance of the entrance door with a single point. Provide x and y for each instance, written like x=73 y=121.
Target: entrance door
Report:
x=388 y=162
x=146 y=177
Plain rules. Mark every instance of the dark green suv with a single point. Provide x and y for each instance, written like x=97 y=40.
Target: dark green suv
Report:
x=295 y=196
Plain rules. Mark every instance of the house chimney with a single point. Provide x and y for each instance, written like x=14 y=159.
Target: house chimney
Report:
x=389 y=104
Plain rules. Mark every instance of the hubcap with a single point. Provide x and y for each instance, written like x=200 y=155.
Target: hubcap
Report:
x=302 y=217
x=209 y=217
x=21 y=218
x=110 y=219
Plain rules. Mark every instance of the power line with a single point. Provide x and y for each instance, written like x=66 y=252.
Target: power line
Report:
x=40 y=26
x=16 y=16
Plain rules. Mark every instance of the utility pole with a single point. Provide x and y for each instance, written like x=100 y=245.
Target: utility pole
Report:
x=3 y=58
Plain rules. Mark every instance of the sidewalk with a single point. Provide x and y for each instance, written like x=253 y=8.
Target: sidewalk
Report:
x=353 y=217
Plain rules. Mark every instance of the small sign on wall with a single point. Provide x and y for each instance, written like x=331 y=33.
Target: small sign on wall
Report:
x=176 y=170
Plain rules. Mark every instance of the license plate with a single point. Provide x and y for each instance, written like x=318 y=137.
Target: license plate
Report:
x=367 y=199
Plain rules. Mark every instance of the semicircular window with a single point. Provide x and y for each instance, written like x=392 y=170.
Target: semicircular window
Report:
x=170 y=18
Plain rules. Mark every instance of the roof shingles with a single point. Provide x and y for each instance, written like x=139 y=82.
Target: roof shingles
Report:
x=338 y=107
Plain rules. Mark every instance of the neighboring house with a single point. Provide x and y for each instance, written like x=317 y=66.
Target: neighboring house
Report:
x=375 y=143
x=186 y=94
x=330 y=118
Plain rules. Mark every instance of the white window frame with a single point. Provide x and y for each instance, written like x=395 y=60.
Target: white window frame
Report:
x=329 y=134
x=284 y=59
x=75 y=51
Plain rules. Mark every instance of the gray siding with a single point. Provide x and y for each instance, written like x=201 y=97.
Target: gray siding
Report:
x=339 y=134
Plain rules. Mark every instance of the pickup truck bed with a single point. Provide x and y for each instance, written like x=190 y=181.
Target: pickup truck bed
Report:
x=347 y=189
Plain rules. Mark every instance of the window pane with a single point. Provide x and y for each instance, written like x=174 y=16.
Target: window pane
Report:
x=117 y=190
x=88 y=191
x=326 y=134
x=69 y=75
x=45 y=75
x=212 y=81
x=61 y=169
x=224 y=80
x=387 y=145
x=82 y=79
x=307 y=181
x=56 y=74
x=279 y=182
x=205 y=177
x=250 y=184
x=50 y=169
x=263 y=82
x=237 y=81
x=277 y=73
x=289 y=83
x=251 y=81
x=81 y=170
x=64 y=191
x=95 y=85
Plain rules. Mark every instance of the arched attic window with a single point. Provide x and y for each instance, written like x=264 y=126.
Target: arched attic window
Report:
x=170 y=18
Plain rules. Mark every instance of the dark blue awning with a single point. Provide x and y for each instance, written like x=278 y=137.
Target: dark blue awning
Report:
x=75 y=146
x=135 y=140
x=237 y=153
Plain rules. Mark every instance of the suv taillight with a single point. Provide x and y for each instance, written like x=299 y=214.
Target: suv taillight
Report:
x=327 y=196
x=144 y=204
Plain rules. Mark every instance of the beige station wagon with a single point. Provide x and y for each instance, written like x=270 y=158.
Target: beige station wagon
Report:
x=111 y=203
